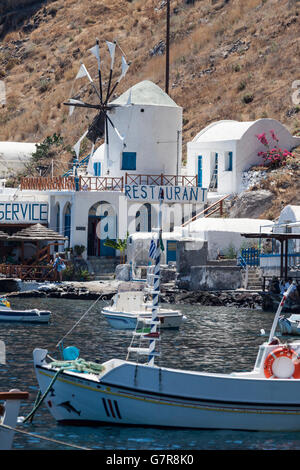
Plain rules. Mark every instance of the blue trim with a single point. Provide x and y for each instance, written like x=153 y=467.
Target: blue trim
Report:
x=200 y=171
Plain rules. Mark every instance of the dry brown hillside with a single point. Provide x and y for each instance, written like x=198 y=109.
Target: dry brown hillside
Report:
x=229 y=59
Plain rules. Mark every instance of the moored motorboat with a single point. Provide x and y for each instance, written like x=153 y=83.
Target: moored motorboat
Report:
x=7 y=314
x=130 y=308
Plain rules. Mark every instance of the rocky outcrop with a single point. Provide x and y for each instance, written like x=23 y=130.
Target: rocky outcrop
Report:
x=105 y=290
x=251 y=204
x=250 y=300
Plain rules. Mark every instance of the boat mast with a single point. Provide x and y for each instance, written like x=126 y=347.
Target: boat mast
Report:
x=156 y=284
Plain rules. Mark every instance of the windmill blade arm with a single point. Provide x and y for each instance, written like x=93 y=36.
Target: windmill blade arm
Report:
x=84 y=105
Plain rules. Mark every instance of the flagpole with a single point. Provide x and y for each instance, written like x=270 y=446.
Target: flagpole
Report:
x=167 y=47
x=156 y=285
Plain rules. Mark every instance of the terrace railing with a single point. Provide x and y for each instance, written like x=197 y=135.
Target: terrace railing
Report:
x=103 y=183
x=24 y=272
x=161 y=180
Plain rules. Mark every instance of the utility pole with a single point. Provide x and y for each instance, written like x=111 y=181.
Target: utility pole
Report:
x=167 y=47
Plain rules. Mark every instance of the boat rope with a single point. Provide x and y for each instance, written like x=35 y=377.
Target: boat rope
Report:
x=79 y=365
x=42 y=397
x=77 y=323
x=10 y=428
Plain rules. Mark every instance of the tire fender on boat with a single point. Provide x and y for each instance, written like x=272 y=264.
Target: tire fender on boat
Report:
x=282 y=351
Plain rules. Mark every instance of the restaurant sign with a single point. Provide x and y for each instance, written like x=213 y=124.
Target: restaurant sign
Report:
x=23 y=212
x=151 y=193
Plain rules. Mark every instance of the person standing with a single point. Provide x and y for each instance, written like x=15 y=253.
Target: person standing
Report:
x=59 y=267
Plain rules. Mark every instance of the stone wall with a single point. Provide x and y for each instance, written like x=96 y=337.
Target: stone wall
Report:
x=188 y=254
x=210 y=278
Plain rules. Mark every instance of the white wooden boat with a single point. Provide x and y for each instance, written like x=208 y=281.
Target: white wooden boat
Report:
x=9 y=416
x=130 y=308
x=266 y=398
x=30 y=315
x=290 y=325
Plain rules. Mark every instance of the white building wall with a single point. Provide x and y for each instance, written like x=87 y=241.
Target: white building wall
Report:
x=226 y=179
x=153 y=132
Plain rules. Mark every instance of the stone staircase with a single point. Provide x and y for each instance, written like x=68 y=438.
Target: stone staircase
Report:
x=102 y=268
x=254 y=279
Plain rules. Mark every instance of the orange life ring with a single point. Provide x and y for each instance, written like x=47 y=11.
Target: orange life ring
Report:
x=283 y=351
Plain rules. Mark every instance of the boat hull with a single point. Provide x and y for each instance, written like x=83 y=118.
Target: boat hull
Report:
x=128 y=321
x=35 y=316
x=146 y=399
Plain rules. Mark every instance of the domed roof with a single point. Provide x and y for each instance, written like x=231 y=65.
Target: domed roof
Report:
x=145 y=93
x=223 y=130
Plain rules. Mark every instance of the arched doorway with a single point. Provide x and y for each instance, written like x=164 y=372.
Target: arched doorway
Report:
x=143 y=218
x=101 y=226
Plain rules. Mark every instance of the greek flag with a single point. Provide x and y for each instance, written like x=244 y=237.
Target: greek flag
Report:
x=152 y=249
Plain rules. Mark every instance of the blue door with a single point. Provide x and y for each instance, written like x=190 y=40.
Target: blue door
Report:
x=171 y=250
x=200 y=171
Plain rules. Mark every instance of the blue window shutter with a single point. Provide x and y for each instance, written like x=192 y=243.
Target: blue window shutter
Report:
x=97 y=168
x=229 y=161
x=128 y=161
x=200 y=171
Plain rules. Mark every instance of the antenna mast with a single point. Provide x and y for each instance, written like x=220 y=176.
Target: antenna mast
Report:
x=167 y=47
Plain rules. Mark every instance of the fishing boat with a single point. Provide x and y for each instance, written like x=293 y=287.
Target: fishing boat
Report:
x=7 y=314
x=9 y=416
x=130 y=308
x=290 y=325
x=135 y=393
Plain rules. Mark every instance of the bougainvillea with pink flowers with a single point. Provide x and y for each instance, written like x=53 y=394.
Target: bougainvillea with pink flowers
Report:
x=274 y=156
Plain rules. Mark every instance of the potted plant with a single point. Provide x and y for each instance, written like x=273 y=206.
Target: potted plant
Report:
x=119 y=245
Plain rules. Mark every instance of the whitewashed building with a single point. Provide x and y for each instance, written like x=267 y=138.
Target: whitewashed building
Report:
x=223 y=150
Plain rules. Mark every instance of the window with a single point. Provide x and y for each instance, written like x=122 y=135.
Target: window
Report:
x=97 y=168
x=128 y=161
x=228 y=161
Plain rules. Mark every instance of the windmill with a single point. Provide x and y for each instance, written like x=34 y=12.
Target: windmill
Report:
x=100 y=123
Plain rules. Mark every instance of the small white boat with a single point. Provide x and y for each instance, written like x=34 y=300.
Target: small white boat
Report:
x=290 y=325
x=130 y=308
x=9 y=416
x=30 y=315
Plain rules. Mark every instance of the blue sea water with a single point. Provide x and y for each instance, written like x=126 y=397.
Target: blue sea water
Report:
x=213 y=339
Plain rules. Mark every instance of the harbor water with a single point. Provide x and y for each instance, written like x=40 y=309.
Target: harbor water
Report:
x=213 y=339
